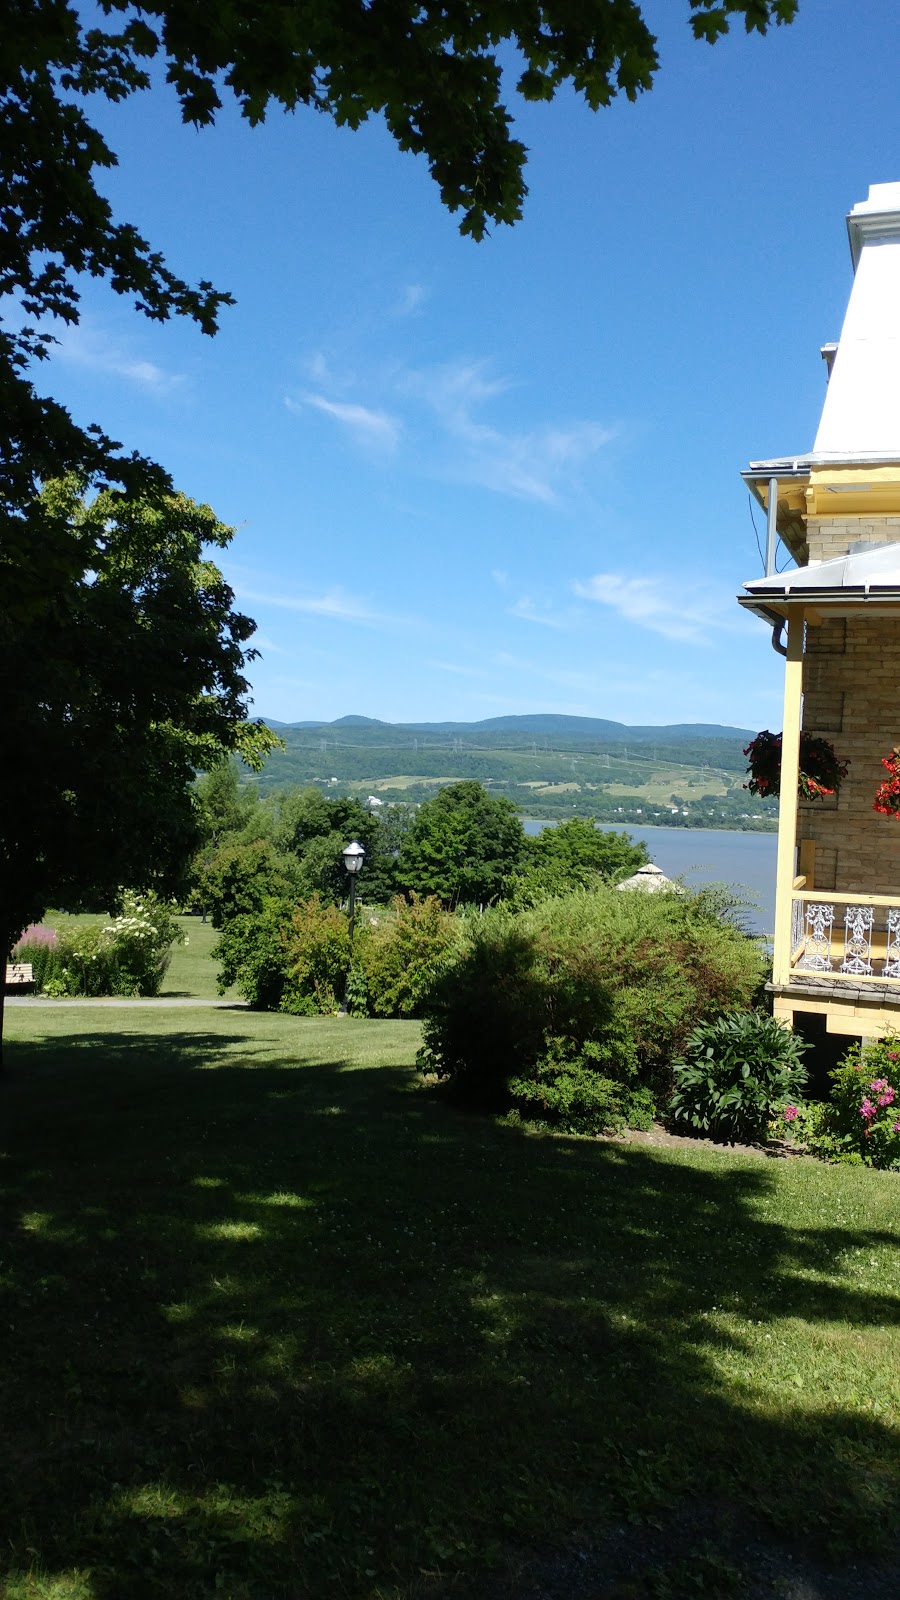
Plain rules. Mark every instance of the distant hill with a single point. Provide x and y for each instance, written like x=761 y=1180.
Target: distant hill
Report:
x=561 y=727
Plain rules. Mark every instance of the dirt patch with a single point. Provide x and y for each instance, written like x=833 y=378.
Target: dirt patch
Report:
x=659 y=1135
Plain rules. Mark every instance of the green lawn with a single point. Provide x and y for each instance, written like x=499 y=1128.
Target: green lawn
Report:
x=280 y=1323
x=192 y=971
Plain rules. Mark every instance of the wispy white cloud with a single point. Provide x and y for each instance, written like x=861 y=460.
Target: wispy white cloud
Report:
x=412 y=299
x=533 y=463
x=370 y=427
x=317 y=369
x=334 y=604
x=500 y=578
x=86 y=344
x=563 y=677
x=455 y=667
x=527 y=611
x=662 y=606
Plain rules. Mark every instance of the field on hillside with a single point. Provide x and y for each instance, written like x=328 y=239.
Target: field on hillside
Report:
x=702 y=785
x=280 y=1322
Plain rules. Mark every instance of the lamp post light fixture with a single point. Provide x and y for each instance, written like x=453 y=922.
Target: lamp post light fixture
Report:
x=353 y=855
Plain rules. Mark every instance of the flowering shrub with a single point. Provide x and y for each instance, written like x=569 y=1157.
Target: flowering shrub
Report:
x=861 y=1121
x=38 y=934
x=40 y=947
x=820 y=770
x=128 y=955
x=887 y=795
x=738 y=1073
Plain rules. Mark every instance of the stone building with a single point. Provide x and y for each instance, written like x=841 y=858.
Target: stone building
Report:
x=837 y=510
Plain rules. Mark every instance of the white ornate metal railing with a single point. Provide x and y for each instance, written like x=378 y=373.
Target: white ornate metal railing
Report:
x=846 y=936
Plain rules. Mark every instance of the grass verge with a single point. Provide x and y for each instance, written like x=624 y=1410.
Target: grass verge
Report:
x=279 y=1322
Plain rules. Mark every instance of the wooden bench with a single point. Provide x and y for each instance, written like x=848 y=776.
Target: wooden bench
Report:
x=19 y=976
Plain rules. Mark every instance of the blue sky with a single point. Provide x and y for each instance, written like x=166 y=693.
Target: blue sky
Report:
x=478 y=479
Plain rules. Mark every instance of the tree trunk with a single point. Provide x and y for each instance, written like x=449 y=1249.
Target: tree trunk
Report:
x=3 y=959
x=8 y=938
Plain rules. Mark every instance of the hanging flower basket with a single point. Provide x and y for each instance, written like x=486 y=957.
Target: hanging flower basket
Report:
x=887 y=796
x=820 y=770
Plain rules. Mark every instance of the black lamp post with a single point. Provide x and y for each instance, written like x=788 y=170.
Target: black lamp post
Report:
x=353 y=855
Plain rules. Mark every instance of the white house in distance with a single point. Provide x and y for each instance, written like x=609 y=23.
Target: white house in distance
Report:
x=837 y=509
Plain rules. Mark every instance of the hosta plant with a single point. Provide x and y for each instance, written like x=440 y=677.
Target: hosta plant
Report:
x=737 y=1074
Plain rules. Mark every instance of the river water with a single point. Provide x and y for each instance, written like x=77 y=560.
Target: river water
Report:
x=710 y=855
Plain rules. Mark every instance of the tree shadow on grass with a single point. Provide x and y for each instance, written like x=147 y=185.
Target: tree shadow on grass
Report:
x=286 y=1329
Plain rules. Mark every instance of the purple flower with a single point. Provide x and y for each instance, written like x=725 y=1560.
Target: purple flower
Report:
x=38 y=934
x=790 y=1112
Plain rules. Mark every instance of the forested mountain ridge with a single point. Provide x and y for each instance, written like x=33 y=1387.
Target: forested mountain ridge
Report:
x=547 y=724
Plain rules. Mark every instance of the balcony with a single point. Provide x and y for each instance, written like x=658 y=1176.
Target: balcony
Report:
x=846 y=939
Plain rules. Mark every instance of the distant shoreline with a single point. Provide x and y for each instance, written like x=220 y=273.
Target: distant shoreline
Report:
x=684 y=827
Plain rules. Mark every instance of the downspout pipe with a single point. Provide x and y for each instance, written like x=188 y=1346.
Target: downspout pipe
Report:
x=771 y=526
x=771 y=539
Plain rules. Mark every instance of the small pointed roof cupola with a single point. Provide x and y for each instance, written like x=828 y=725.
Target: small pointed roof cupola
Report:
x=861 y=415
x=845 y=492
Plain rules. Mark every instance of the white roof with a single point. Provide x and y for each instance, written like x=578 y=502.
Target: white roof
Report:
x=649 y=878
x=861 y=415
x=869 y=570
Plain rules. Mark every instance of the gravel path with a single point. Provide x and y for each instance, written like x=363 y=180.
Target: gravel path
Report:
x=162 y=1003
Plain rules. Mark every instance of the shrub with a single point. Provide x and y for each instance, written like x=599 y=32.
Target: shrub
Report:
x=317 y=945
x=860 y=1123
x=625 y=973
x=400 y=953
x=568 y=1090
x=738 y=1073
x=252 y=953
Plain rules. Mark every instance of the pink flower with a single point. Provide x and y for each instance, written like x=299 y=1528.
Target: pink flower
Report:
x=867 y=1110
x=886 y=1098
x=790 y=1112
x=893 y=1055
x=878 y=1084
x=897 y=1127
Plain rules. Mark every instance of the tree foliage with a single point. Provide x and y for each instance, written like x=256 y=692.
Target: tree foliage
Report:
x=575 y=855
x=433 y=72
x=462 y=846
x=120 y=679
